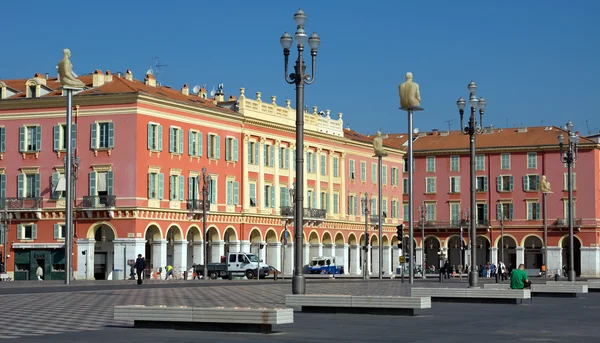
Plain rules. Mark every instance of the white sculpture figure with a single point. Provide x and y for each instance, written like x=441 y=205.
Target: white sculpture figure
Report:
x=409 y=93
x=545 y=185
x=65 y=72
x=378 y=145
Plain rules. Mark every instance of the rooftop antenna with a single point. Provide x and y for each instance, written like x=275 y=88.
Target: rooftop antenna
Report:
x=213 y=92
x=587 y=124
x=449 y=122
x=196 y=89
x=157 y=66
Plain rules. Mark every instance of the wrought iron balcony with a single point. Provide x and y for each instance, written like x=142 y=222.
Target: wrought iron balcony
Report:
x=99 y=201
x=197 y=205
x=21 y=204
x=483 y=222
x=564 y=222
x=287 y=211
x=309 y=213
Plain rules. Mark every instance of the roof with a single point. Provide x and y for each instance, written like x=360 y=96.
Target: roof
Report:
x=390 y=143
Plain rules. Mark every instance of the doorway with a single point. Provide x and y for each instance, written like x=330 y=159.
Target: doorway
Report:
x=100 y=266
x=40 y=262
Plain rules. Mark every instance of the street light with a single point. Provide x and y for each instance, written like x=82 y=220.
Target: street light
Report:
x=6 y=220
x=365 y=204
x=72 y=173
x=423 y=210
x=205 y=205
x=568 y=155
x=472 y=129
x=299 y=78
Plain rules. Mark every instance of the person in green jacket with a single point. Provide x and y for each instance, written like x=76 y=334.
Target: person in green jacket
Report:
x=169 y=271
x=519 y=279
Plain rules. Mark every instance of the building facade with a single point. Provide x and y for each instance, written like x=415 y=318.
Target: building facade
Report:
x=142 y=149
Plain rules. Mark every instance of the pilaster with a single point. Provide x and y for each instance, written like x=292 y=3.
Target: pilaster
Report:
x=246 y=182
x=554 y=260
x=520 y=256
x=126 y=249
x=341 y=257
x=590 y=261
x=159 y=255
x=494 y=255
x=292 y=164
x=180 y=256
x=198 y=252
x=276 y=177
x=387 y=259
x=245 y=246
x=217 y=249
x=318 y=179
x=329 y=250
x=419 y=256
x=274 y=255
x=375 y=260
x=316 y=250
x=287 y=260
x=330 y=183
x=355 y=261
x=85 y=258
x=343 y=199
x=234 y=246
x=260 y=184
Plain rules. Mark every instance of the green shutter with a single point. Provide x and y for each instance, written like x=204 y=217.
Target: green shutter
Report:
x=2 y=189
x=218 y=139
x=73 y=136
x=499 y=183
x=265 y=162
x=191 y=143
x=92 y=187
x=253 y=190
x=323 y=165
x=537 y=181
x=38 y=138
x=2 y=234
x=110 y=182
x=22 y=147
x=38 y=185
x=249 y=152
x=93 y=138
x=181 y=187
x=499 y=211
x=510 y=207
x=55 y=177
x=272 y=197
x=160 y=138
x=294 y=162
x=229 y=193
x=537 y=210
x=21 y=185
x=2 y=139
x=150 y=185
x=227 y=149
x=171 y=139
x=57 y=137
x=236 y=193
x=314 y=162
x=20 y=231
x=272 y=162
x=190 y=187
x=525 y=183
x=199 y=139
x=235 y=149
x=172 y=187
x=150 y=137
x=180 y=141
x=485 y=212
x=384 y=176
x=161 y=186
x=34 y=231
x=282 y=197
x=208 y=146
x=485 y=183
x=56 y=231
x=111 y=134
x=512 y=184
x=287 y=158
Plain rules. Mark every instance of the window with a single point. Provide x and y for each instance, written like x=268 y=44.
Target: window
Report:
x=405 y=165
x=455 y=213
x=482 y=214
x=323 y=165
x=404 y=186
x=531 y=183
x=363 y=171
x=533 y=210
x=59 y=186
x=373 y=205
x=284 y=158
x=294 y=159
x=2 y=186
x=325 y=201
x=176 y=186
x=454 y=163
x=311 y=198
x=60 y=136
x=395 y=176
x=352 y=168
x=252 y=192
x=505 y=161
x=26 y=231
x=212 y=190
x=311 y=162
x=430 y=211
x=59 y=231
x=481 y=184
x=384 y=175
x=374 y=172
x=29 y=185
x=269 y=153
x=214 y=146
x=455 y=184
x=405 y=211
x=566 y=209
x=352 y=205
x=101 y=184
x=30 y=138
x=2 y=139
x=504 y=211
x=102 y=135
x=156 y=184
x=284 y=196
x=336 y=166
x=232 y=195
x=269 y=196
x=394 y=209
x=155 y=133
x=479 y=162
x=194 y=143
x=429 y=185
x=175 y=140
x=252 y=152
x=231 y=149
x=430 y=164
x=531 y=160
x=505 y=183
x=566 y=181
x=336 y=203
x=193 y=187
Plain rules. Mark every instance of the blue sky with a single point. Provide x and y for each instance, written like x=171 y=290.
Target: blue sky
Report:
x=535 y=62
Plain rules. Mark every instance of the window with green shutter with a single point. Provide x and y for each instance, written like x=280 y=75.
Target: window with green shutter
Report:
x=505 y=161
x=454 y=163
x=236 y=193
x=102 y=135
x=336 y=167
x=2 y=190
x=336 y=200
x=323 y=165
x=30 y=138
x=252 y=191
x=172 y=187
x=531 y=160
x=430 y=164
x=2 y=139
x=59 y=231
x=384 y=175
x=26 y=231
x=363 y=171
x=374 y=172
x=352 y=167
x=480 y=162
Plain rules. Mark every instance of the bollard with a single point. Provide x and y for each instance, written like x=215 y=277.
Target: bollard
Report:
x=556 y=277
x=441 y=277
x=497 y=277
x=275 y=275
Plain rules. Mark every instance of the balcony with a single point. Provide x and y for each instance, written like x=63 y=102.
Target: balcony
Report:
x=310 y=214
x=22 y=205
x=482 y=223
x=197 y=205
x=564 y=222
x=99 y=201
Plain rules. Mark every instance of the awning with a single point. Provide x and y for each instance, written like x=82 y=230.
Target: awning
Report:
x=38 y=245
x=61 y=186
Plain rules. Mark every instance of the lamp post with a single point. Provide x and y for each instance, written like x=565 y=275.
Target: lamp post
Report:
x=568 y=155
x=472 y=129
x=286 y=234
x=72 y=178
x=6 y=221
x=423 y=211
x=205 y=205
x=299 y=78
x=365 y=203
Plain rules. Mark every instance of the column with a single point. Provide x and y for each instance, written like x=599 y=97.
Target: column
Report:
x=590 y=261
x=330 y=184
x=180 y=257
x=245 y=246
x=355 y=261
x=341 y=257
x=159 y=256
x=305 y=183
x=343 y=197
x=127 y=249
x=306 y=256
x=329 y=250
x=419 y=256
x=276 y=179
x=85 y=258
x=217 y=249
x=369 y=259
x=494 y=255
x=554 y=260
x=260 y=184
x=234 y=246
x=467 y=259
x=246 y=182
x=262 y=254
x=318 y=180
x=520 y=256
x=291 y=170
x=315 y=250
x=198 y=252
x=287 y=260
x=387 y=256
x=274 y=255
x=375 y=260
x=395 y=258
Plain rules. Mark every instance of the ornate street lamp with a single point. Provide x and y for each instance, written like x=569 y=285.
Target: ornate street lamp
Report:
x=365 y=204
x=472 y=129
x=205 y=206
x=299 y=78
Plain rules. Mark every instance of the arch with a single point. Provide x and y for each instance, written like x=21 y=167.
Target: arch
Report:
x=373 y=240
x=91 y=233
x=290 y=238
x=154 y=227
x=193 y=233
x=177 y=232
x=352 y=239
x=313 y=237
x=385 y=241
x=448 y=243
x=508 y=238
x=484 y=237
x=326 y=238
x=271 y=236
x=560 y=241
x=361 y=239
x=213 y=234
x=339 y=238
x=531 y=241
x=255 y=235
x=395 y=240
x=439 y=242
x=230 y=235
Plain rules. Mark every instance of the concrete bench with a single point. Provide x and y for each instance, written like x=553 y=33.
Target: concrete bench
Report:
x=473 y=295
x=593 y=285
x=239 y=319
x=335 y=303
x=553 y=289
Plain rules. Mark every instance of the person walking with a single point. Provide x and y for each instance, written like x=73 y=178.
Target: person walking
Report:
x=169 y=271
x=39 y=273
x=140 y=265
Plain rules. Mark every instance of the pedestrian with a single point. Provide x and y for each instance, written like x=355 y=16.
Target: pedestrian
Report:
x=519 y=279
x=140 y=265
x=39 y=273
x=169 y=270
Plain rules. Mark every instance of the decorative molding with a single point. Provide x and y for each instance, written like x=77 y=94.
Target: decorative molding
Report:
x=99 y=168
x=30 y=170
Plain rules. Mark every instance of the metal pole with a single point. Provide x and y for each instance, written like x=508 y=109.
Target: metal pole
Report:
x=423 y=239
x=205 y=250
x=366 y=247
x=409 y=247
x=460 y=249
x=473 y=280
x=571 y=272
x=502 y=239
x=545 y=255
x=69 y=185
x=380 y=213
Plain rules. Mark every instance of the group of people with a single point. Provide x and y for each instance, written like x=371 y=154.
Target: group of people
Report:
x=490 y=270
x=140 y=265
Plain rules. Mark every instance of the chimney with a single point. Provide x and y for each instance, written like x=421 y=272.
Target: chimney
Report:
x=119 y=74
x=185 y=90
x=202 y=93
x=219 y=97
x=150 y=80
x=108 y=77
x=232 y=98
x=98 y=78
x=46 y=76
x=129 y=75
x=40 y=78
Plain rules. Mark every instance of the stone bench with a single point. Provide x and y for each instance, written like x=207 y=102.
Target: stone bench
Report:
x=239 y=319
x=553 y=289
x=473 y=295
x=593 y=285
x=336 y=303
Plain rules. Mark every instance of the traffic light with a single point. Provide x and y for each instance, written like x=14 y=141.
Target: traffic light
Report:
x=400 y=233
x=366 y=247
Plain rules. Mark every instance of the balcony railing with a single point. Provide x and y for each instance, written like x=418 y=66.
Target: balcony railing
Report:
x=564 y=222
x=309 y=213
x=197 y=205
x=21 y=204
x=99 y=201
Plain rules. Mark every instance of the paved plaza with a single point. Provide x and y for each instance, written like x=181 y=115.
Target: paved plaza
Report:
x=82 y=312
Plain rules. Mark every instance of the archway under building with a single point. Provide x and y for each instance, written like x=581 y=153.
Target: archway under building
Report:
x=374 y=255
x=272 y=253
x=315 y=246
x=213 y=245
x=576 y=253
x=153 y=234
x=534 y=256
x=173 y=234
x=342 y=252
x=353 y=255
x=255 y=241
x=456 y=251
x=507 y=251
x=432 y=248
x=104 y=236
x=194 y=248
x=483 y=250
x=229 y=238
